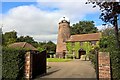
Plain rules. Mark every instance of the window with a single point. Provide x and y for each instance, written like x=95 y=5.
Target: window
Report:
x=93 y=42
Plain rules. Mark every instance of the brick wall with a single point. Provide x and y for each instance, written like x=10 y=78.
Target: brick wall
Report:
x=104 y=65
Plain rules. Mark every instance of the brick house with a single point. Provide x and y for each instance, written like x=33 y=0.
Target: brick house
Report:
x=65 y=37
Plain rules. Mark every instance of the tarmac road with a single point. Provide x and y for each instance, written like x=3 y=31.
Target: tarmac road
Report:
x=73 y=69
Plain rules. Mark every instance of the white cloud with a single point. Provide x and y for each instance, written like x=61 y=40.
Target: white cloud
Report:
x=51 y=37
x=100 y=27
x=29 y=20
x=74 y=9
x=43 y=24
x=18 y=0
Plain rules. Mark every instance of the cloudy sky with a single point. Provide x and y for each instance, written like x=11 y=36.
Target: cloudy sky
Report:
x=39 y=19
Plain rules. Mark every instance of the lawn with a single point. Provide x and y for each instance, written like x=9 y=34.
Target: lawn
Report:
x=57 y=60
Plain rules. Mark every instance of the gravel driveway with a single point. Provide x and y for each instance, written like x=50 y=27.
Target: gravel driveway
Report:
x=73 y=69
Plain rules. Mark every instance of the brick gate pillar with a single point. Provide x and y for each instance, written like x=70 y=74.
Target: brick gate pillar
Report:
x=104 y=65
x=28 y=68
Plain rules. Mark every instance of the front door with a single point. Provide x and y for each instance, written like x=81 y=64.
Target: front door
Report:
x=81 y=52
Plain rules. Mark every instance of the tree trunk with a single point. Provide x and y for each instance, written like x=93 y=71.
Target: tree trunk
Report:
x=115 y=24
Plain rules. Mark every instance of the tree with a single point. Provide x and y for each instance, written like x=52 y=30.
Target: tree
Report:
x=20 y=39
x=50 y=46
x=107 y=34
x=9 y=37
x=27 y=39
x=1 y=36
x=83 y=27
x=109 y=14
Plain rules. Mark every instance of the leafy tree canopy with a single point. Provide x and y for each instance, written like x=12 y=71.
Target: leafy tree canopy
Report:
x=83 y=27
x=50 y=46
x=109 y=14
x=9 y=37
x=109 y=9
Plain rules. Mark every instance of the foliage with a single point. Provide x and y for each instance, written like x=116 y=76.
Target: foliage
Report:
x=69 y=47
x=83 y=27
x=13 y=63
x=115 y=60
x=50 y=46
x=9 y=37
x=115 y=57
x=104 y=42
x=0 y=36
x=57 y=60
x=93 y=55
x=108 y=9
x=40 y=49
x=27 y=39
x=107 y=34
x=109 y=14
x=76 y=48
x=85 y=46
x=92 y=58
x=108 y=43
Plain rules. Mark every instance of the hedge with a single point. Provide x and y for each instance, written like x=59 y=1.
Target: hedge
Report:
x=115 y=63
x=13 y=63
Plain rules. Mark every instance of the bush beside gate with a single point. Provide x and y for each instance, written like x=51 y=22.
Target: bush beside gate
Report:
x=13 y=63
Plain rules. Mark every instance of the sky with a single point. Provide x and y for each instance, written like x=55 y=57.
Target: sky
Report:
x=39 y=18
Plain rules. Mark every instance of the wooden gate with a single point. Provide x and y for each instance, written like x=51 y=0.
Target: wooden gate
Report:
x=35 y=64
x=38 y=64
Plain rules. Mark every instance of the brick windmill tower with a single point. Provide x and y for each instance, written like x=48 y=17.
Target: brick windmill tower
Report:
x=63 y=35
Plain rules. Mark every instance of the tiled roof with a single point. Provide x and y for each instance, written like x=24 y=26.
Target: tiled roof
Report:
x=22 y=45
x=84 y=37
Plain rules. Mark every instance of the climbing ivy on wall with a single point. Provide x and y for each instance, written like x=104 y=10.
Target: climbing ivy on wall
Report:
x=96 y=46
x=76 y=48
x=85 y=46
x=69 y=47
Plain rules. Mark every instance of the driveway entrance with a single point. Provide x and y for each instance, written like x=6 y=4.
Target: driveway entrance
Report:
x=73 y=69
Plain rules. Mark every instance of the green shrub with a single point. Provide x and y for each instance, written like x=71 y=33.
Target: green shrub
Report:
x=93 y=56
x=13 y=63
x=40 y=49
x=115 y=63
x=93 y=59
x=115 y=58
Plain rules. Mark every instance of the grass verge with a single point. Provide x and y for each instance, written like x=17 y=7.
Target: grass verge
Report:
x=57 y=60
